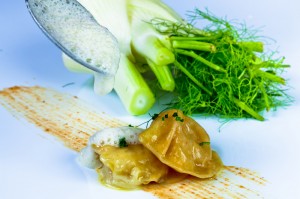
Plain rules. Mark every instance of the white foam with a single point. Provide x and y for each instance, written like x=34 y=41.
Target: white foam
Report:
x=109 y=136
x=69 y=23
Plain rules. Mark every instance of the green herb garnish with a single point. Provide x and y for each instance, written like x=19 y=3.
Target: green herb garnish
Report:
x=179 y=119
x=122 y=142
x=175 y=114
x=154 y=116
x=204 y=143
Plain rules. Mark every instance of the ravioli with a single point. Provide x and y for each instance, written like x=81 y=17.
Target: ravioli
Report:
x=120 y=160
x=129 y=167
x=181 y=143
x=173 y=147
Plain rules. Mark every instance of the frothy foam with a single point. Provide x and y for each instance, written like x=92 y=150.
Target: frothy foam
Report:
x=75 y=28
x=109 y=136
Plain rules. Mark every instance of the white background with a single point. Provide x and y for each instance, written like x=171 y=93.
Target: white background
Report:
x=32 y=166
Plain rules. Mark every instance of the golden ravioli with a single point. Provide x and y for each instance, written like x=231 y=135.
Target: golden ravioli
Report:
x=181 y=143
x=130 y=166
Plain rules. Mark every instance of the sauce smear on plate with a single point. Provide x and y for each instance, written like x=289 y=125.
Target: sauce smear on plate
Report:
x=72 y=121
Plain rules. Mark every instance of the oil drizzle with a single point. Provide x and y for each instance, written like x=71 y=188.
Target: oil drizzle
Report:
x=72 y=121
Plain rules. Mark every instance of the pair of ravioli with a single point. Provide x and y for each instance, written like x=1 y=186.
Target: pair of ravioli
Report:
x=173 y=142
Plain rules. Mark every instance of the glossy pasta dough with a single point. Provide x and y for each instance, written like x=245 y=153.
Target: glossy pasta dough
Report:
x=181 y=143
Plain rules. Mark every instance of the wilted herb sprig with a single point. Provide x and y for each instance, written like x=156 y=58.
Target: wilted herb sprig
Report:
x=224 y=70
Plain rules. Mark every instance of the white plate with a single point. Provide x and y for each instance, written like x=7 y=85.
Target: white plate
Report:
x=34 y=167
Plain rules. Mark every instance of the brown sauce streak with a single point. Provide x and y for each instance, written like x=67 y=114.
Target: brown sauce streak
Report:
x=63 y=116
x=72 y=121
